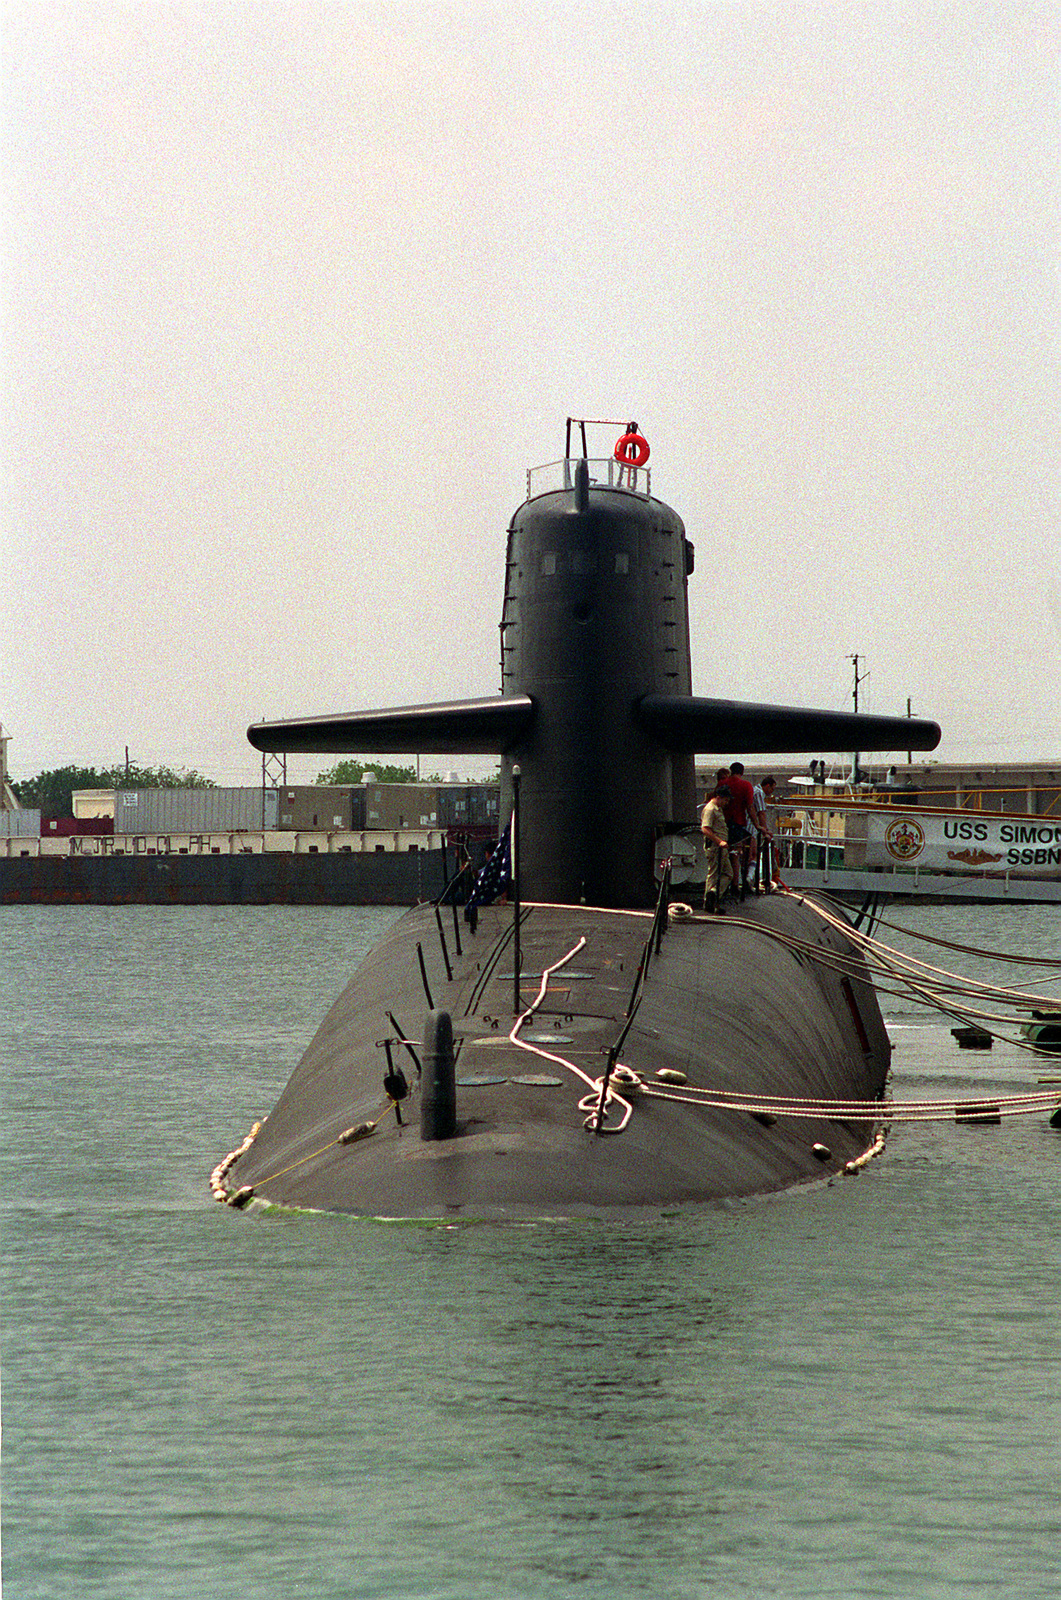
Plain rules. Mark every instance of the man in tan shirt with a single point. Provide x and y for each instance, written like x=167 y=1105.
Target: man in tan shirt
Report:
x=716 y=844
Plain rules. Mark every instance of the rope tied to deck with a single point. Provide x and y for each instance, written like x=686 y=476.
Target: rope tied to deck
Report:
x=590 y=1101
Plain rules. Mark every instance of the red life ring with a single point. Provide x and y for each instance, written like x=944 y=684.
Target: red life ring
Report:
x=632 y=450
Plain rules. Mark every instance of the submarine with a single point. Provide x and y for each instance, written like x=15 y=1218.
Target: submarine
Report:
x=577 y=1039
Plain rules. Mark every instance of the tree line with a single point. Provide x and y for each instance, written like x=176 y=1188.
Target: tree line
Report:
x=351 y=771
x=52 y=792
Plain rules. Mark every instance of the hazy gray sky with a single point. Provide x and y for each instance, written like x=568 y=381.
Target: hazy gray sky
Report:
x=295 y=292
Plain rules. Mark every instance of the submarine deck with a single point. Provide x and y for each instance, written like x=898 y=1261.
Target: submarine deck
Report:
x=757 y=1003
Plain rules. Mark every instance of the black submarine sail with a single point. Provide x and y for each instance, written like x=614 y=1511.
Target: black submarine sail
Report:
x=597 y=725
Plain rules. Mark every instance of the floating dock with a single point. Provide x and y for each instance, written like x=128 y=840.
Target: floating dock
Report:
x=210 y=876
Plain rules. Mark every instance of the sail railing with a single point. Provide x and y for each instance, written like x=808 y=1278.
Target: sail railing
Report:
x=604 y=473
x=650 y=948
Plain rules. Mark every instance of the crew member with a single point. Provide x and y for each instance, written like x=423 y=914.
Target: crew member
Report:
x=715 y=830
x=771 y=853
x=739 y=811
x=762 y=833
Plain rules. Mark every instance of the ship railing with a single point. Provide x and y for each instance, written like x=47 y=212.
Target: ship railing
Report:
x=604 y=473
x=837 y=838
x=1031 y=799
x=1026 y=800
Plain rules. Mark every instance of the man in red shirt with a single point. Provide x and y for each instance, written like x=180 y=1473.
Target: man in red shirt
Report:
x=739 y=811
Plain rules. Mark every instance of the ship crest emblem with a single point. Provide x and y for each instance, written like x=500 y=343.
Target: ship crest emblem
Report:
x=904 y=839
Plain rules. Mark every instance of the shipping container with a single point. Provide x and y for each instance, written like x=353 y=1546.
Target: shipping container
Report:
x=93 y=803
x=70 y=827
x=304 y=808
x=21 y=824
x=430 y=805
x=462 y=805
x=194 y=810
x=401 y=805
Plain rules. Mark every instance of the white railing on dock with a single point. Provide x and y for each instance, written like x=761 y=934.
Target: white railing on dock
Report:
x=367 y=841
x=853 y=845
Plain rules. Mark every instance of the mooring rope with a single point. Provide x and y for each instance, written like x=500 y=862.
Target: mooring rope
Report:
x=897 y=962
x=964 y=949
x=853 y=1110
x=348 y=1136
x=902 y=969
x=905 y=976
x=911 y=978
x=361 y=1130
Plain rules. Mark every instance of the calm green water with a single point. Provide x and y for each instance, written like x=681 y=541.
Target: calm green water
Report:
x=849 y=1391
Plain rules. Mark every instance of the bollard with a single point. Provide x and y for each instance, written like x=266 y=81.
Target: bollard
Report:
x=972 y=1038
x=982 y=1113
x=438 y=1085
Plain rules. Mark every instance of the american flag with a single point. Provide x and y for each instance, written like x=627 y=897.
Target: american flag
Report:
x=493 y=880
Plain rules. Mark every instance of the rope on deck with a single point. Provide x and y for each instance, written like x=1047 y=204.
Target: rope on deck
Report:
x=599 y=1087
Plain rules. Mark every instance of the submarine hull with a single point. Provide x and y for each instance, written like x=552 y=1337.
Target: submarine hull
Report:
x=591 y=1082
x=760 y=1003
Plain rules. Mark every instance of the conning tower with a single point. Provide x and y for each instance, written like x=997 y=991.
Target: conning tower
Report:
x=595 y=617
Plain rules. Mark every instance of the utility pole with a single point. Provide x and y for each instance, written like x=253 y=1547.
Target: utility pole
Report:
x=858 y=679
x=909 y=753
